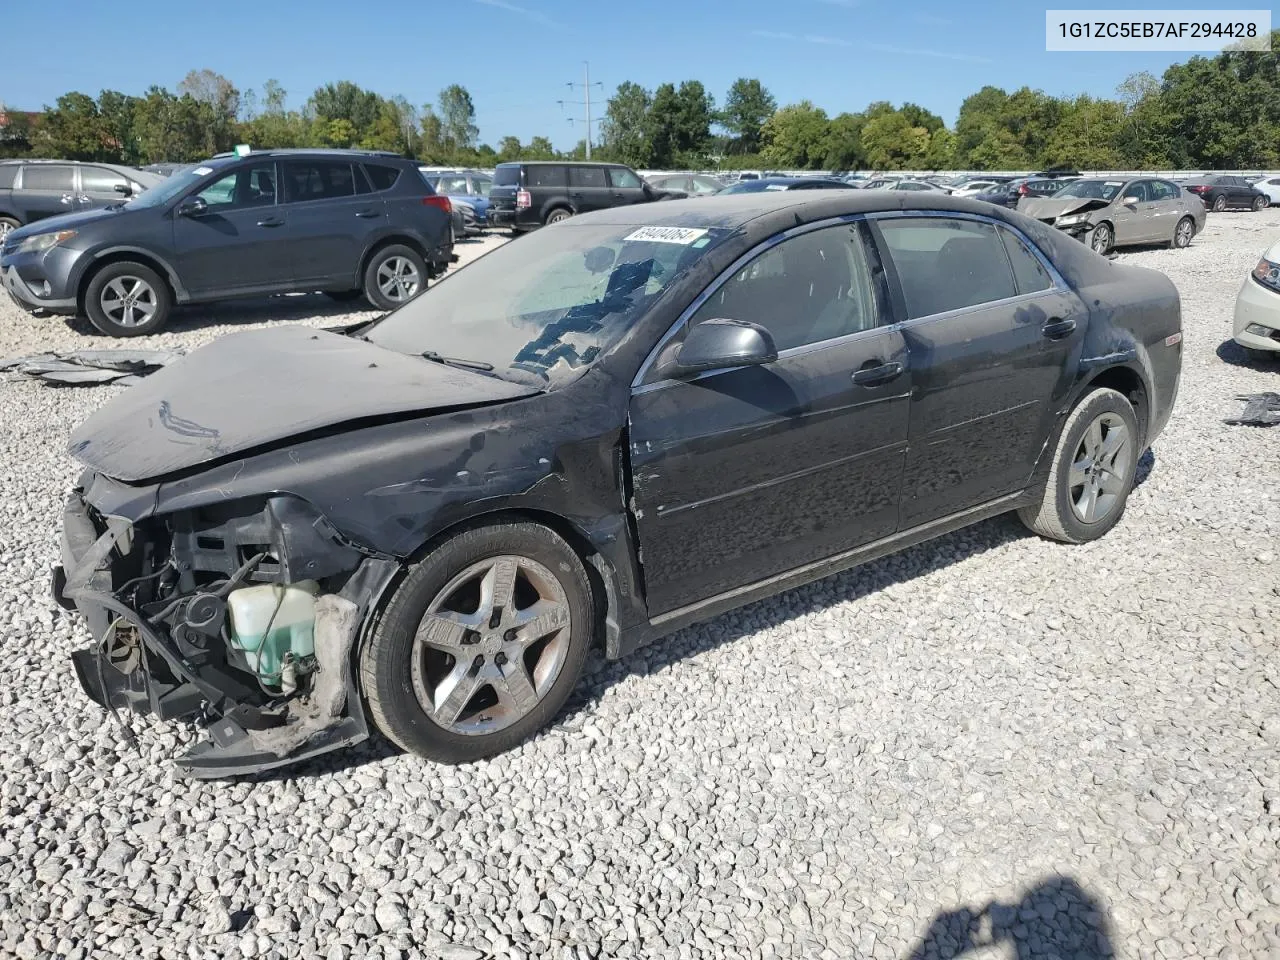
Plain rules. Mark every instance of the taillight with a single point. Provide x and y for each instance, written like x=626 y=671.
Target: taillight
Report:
x=1198 y=188
x=440 y=202
x=1023 y=191
x=523 y=200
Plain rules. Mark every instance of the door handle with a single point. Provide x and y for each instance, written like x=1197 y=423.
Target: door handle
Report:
x=84 y=199
x=883 y=373
x=272 y=222
x=368 y=214
x=1058 y=329
x=66 y=198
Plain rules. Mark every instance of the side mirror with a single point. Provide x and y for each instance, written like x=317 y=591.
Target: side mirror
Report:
x=1130 y=201
x=719 y=343
x=193 y=207
x=123 y=188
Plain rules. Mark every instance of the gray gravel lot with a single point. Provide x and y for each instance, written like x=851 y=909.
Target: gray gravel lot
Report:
x=989 y=739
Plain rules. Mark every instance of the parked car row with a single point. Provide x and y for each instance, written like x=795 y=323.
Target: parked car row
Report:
x=346 y=222
x=530 y=194
x=32 y=190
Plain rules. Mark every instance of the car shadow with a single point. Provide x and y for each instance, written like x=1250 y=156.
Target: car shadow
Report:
x=1055 y=918
x=1231 y=352
x=223 y=313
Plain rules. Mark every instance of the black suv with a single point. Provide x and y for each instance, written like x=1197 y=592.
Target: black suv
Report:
x=342 y=221
x=31 y=190
x=527 y=195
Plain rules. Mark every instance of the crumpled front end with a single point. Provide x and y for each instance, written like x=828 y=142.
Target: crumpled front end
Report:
x=244 y=616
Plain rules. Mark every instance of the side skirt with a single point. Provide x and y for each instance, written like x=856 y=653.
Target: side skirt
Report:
x=674 y=620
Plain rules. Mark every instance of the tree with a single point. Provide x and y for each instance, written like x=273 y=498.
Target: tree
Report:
x=171 y=128
x=458 y=118
x=1088 y=135
x=345 y=100
x=694 y=113
x=842 y=149
x=74 y=129
x=623 y=132
x=539 y=148
x=274 y=126
x=117 y=112
x=660 y=130
x=508 y=149
x=431 y=147
x=747 y=106
x=223 y=101
x=892 y=143
x=795 y=136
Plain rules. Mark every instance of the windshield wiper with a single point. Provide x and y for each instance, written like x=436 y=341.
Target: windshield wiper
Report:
x=456 y=361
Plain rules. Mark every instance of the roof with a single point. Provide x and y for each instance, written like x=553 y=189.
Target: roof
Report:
x=560 y=163
x=308 y=151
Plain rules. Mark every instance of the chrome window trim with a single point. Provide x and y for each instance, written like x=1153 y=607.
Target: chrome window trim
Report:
x=1058 y=284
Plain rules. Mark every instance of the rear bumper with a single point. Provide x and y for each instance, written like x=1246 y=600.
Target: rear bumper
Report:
x=513 y=219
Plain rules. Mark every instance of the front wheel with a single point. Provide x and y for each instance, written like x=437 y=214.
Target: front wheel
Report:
x=1101 y=239
x=127 y=299
x=7 y=226
x=1092 y=471
x=1219 y=203
x=1260 y=203
x=395 y=275
x=481 y=644
x=1183 y=232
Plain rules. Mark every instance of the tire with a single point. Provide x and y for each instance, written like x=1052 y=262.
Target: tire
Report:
x=1219 y=203
x=394 y=276
x=344 y=296
x=127 y=299
x=1101 y=239
x=556 y=215
x=1062 y=513
x=406 y=682
x=6 y=225
x=1182 y=234
x=1260 y=203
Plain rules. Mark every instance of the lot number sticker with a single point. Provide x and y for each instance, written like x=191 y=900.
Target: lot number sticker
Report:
x=681 y=235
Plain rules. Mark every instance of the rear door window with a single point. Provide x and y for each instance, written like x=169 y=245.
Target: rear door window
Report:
x=306 y=180
x=382 y=177
x=586 y=177
x=945 y=264
x=47 y=176
x=100 y=180
x=1028 y=272
x=1163 y=190
x=547 y=176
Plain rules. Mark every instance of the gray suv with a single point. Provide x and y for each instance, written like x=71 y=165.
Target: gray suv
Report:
x=31 y=190
x=345 y=222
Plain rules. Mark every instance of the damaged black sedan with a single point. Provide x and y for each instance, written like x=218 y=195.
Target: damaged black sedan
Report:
x=638 y=419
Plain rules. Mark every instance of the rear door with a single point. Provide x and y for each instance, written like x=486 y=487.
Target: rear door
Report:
x=1168 y=208
x=45 y=190
x=990 y=336
x=331 y=213
x=589 y=189
x=1139 y=219
x=98 y=187
x=240 y=242
x=627 y=187
x=747 y=473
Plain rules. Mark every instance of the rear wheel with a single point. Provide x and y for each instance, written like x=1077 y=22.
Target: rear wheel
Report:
x=1101 y=239
x=127 y=300
x=1219 y=203
x=395 y=275
x=1183 y=232
x=7 y=226
x=1092 y=471
x=481 y=644
x=1260 y=203
x=556 y=215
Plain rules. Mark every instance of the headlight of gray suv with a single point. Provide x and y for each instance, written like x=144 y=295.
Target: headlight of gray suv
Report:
x=44 y=241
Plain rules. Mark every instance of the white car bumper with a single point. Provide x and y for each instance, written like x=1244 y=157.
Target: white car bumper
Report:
x=1257 y=320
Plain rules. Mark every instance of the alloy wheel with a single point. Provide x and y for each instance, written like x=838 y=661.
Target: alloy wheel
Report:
x=1182 y=238
x=6 y=228
x=1101 y=238
x=491 y=645
x=128 y=301
x=1099 y=468
x=398 y=279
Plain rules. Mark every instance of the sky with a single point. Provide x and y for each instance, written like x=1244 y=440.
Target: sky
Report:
x=516 y=57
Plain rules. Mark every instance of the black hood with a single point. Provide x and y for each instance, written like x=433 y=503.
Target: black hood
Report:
x=253 y=390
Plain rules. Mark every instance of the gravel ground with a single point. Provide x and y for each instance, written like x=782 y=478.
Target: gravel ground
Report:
x=989 y=743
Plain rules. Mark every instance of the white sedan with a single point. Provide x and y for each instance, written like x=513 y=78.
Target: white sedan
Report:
x=1271 y=187
x=1257 y=320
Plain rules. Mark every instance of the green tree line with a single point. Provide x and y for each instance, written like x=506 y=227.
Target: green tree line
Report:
x=1220 y=112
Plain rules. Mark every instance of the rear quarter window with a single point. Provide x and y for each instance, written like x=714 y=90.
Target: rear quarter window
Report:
x=551 y=176
x=382 y=176
x=506 y=176
x=8 y=171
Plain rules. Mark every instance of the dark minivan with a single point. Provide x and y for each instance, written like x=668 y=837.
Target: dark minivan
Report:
x=31 y=190
x=346 y=222
x=530 y=194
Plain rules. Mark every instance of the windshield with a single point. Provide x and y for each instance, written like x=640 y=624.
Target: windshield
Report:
x=1090 y=190
x=542 y=312
x=170 y=187
x=753 y=186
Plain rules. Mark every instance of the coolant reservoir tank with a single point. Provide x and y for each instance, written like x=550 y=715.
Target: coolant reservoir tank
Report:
x=271 y=620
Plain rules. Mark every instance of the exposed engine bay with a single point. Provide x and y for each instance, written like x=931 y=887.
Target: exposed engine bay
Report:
x=242 y=615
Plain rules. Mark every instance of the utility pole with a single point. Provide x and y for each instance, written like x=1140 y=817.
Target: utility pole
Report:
x=586 y=101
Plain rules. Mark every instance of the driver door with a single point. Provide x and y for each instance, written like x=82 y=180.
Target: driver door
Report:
x=744 y=473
